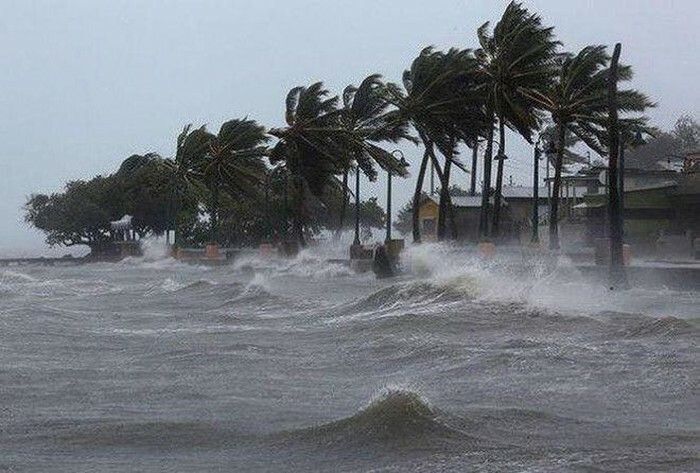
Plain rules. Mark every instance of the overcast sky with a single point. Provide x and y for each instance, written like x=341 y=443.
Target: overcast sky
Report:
x=86 y=83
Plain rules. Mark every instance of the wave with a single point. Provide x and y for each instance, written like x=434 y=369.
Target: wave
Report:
x=170 y=285
x=396 y=417
x=412 y=293
x=664 y=326
x=13 y=277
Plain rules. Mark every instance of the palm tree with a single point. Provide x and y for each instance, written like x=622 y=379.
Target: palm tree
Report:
x=311 y=147
x=435 y=103
x=578 y=102
x=233 y=163
x=549 y=136
x=367 y=118
x=514 y=59
x=190 y=148
x=465 y=123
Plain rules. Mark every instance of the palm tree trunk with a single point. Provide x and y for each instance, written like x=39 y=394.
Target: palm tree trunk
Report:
x=475 y=156
x=486 y=186
x=554 y=206
x=499 y=178
x=445 y=200
x=343 y=205
x=175 y=201
x=419 y=190
x=618 y=278
x=214 y=237
x=356 y=241
x=299 y=210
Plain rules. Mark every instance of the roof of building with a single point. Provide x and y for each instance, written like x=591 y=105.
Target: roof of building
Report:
x=522 y=192
x=509 y=193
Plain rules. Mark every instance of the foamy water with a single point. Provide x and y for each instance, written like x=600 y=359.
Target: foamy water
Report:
x=272 y=364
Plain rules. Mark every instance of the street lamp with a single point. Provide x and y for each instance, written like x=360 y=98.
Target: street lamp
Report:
x=404 y=164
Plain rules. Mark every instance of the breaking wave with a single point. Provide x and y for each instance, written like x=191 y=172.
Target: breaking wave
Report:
x=395 y=417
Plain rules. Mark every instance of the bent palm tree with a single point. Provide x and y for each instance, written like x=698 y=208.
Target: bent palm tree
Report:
x=515 y=59
x=311 y=147
x=434 y=102
x=578 y=102
x=368 y=120
x=233 y=163
x=190 y=148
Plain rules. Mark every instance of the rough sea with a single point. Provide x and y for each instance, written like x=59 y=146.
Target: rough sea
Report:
x=300 y=365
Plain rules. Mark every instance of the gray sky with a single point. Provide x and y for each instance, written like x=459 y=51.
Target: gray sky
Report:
x=86 y=83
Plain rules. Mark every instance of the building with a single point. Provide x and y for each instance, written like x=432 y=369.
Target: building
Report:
x=654 y=211
x=516 y=214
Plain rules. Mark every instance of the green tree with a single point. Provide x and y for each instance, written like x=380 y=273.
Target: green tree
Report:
x=80 y=215
x=312 y=148
x=578 y=102
x=369 y=119
x=440 y=104
x=549 y=137
x=687 y=131
x=515 y=61
x=145 y=185
x=191 y=146
x=404 y=218
x=233 y=163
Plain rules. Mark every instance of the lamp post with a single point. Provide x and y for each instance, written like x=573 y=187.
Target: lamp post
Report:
x=404 y=164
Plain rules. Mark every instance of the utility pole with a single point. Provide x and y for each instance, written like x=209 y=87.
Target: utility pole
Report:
x=403 y=163
x=618 y=277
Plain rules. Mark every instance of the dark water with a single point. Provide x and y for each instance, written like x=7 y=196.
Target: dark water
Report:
x=301 y=366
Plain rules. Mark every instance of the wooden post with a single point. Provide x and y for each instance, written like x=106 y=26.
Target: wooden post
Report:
x=618 y=277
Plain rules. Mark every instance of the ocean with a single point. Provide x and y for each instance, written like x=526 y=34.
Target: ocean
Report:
x=300 y=365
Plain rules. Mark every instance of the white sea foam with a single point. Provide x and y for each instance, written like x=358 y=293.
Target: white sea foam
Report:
x=553 y=284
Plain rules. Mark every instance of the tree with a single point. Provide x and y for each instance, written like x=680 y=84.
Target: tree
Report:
x=368 y=119
x=578 y=102
x=687 y=131
x=191 y=146
x=515 y=61
x=80 y=215
x=311 y=147
x=145 y=185
x=438 y=101
x=404 y=218
x=233 y=163
x=466 y=122
x=662 y=147
x=549 y=137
